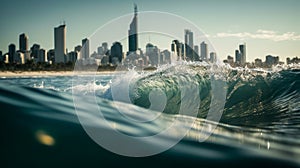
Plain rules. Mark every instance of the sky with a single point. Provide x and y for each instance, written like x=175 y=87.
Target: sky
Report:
x=267 y=27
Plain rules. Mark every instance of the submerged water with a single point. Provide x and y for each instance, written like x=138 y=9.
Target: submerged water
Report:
x=259 y=126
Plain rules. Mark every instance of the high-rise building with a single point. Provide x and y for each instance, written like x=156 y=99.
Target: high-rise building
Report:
x=153 y=53
x=258 y=62
x=189 y=44
x=102 y=50
x=133 y=33
x=242 y=48
x=72 y=56
x=51 y=56
x=196 y=53
x=167 y=57
x=237 y=57
x=272 y=60
x=176 y=48
x=19 y=57
x=60 y=43
x=182 y=52
x=105 y=47
x=41 y=56
x=213 y=57
x=116 y=53
x=77 y=48
x=85 y=49
x=196 y=49
x=11 y=53
x=35 y=50
x=23 y=42
x=230 y=60
x=204 y=51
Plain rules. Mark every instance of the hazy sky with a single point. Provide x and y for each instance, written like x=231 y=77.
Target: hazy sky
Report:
x=267 y=27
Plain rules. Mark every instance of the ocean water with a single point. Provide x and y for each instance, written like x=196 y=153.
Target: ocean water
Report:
x=44 y=119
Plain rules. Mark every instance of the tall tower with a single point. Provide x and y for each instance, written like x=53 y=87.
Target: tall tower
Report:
x=116 y=55
x=204 y=51
x=189 y=44
x=132 y=32
x=23 y=42
x=60 y=43
x=238 y=57
x=11 y=53
x=85 y=50
x=242 y=48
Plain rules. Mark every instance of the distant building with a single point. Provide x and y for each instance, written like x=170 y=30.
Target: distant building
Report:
x=102 y=50
x=35 y=50
x=72 y=56
x=6 y=58
x=116 y=53
x=105 y=47
x=258 y=62
x=204 y=51
x=230 y=60
x=133 y=33
x=238 y=59
x=60 y=43
x=27 y=55
x=19 y=57
x=272 y=60
x=85 y=49
x=294 y=60
x=51 y=56
x=77 y=50
x=242 y=48
x=167 y=57
x=153 y=53
x=240 y=55
x=41 y=56
x=105 y=60
x=11 y=53
x=196 y=53
x=213 y=57
x=177 y=50
x=23 y=42
x=189 y=45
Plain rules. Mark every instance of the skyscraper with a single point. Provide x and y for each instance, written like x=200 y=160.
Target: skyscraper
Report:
x=85 y=50
x=242 y=48
x=132 y=33
x=41 y=56
x=189 y=44
x=116 y=53
x=35 y=50
x=213 y=57
x=237 y=57
x=153 y=53
x=11 y=53
x=204 y=51
x=196 y=53
x=23 y=42
x=60 y=43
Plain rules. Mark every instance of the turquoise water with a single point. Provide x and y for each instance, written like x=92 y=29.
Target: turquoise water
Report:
x=259 y=126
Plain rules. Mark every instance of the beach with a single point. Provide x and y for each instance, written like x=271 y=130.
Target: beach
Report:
x=49 y=73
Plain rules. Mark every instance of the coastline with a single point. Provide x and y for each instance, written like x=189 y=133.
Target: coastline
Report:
x=50 y=73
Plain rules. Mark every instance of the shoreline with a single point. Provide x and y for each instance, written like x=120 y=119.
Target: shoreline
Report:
x=51 y=73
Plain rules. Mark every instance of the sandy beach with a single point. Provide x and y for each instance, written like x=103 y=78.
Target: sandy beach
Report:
x=48 y=73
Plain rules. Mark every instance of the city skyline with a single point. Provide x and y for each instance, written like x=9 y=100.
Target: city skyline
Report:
x=267 y=29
